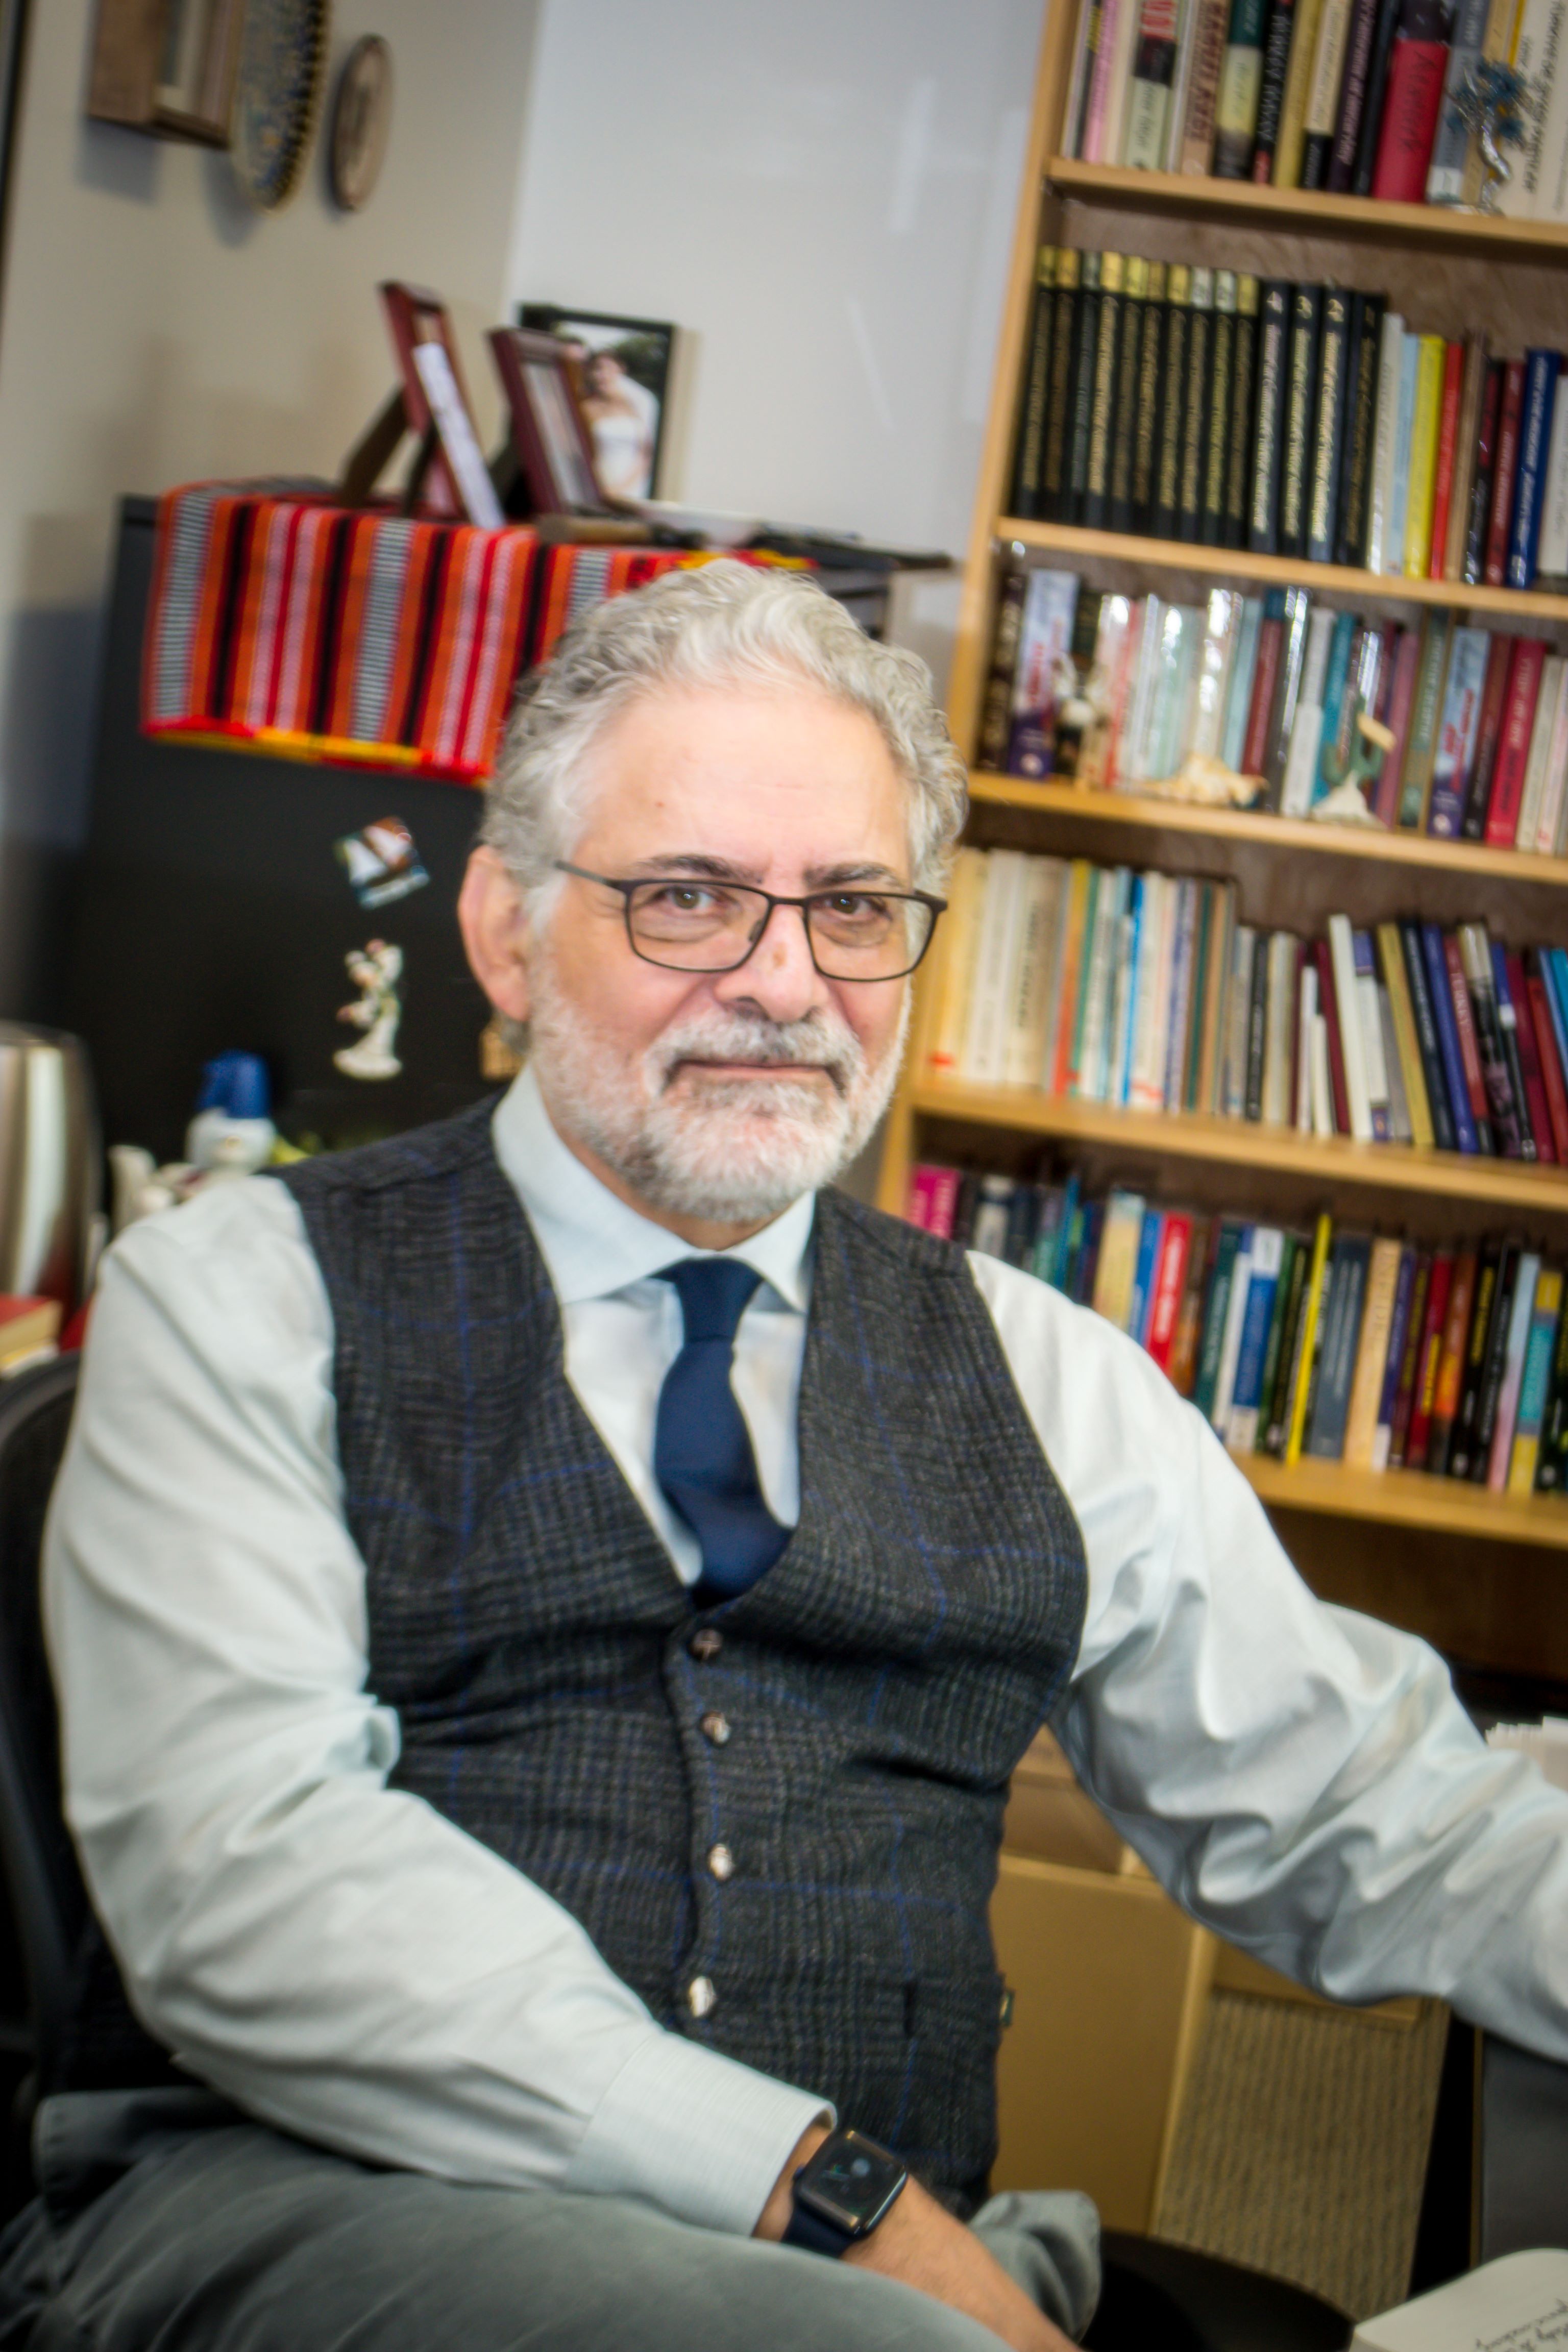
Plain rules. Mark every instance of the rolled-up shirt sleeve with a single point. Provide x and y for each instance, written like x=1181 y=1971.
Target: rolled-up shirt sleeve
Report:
x=1300 y=1778
x=330 y=1952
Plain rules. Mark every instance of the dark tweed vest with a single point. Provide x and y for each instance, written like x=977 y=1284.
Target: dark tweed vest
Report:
x=879 y=1682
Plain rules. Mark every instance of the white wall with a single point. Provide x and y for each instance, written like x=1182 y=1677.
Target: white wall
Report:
x=155 y=331
x=822 y=194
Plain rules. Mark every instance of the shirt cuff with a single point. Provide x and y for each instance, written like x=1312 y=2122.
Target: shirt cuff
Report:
x=693 y=2132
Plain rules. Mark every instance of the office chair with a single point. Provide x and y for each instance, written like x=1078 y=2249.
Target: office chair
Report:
x=47 y=1900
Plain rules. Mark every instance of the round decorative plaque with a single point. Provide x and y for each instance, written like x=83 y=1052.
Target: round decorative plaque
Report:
x=362 y=120
x=278 y=96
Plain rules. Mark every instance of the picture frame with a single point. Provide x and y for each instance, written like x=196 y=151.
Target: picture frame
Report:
x=550 y=434
x=166 y=67
x=622 y=367
x=450 y=478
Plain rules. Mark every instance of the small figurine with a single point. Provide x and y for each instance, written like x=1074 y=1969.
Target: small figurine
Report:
x=375 y=970
x=1493 y=103
x=1202 y=777
x=1345 y=801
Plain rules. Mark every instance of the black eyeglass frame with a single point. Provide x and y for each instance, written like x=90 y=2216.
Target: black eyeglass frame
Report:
x=938 y=906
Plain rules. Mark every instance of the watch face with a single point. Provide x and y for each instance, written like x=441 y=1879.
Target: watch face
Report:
x=852 y=2180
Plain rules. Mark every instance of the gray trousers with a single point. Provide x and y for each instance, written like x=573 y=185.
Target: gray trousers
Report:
x=170 y=2222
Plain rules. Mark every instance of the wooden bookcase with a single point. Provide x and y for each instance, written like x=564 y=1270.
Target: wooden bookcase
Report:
x=1486 y=1576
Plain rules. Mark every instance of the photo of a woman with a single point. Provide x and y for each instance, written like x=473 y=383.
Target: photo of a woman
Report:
x=622 y=370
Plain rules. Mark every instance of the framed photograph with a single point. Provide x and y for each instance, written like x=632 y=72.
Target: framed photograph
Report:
x=550 y=434
x=451 y=474
x=168 y=68
x=622 y=370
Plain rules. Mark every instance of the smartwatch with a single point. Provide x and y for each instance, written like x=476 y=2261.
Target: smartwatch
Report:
x=842 y=2192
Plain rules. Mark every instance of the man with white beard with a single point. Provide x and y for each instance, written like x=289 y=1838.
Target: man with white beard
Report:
x=546 y=1608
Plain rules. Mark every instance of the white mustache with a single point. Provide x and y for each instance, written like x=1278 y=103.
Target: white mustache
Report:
x=830 y=1045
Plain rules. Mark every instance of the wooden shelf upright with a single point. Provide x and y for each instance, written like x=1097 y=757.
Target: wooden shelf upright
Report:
x=1474 y=1571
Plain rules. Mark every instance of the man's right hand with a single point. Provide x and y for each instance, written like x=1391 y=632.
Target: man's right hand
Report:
x=921 y=2244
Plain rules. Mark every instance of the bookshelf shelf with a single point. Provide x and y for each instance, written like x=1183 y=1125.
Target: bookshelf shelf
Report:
x=1515 y=1188
x=1407 y=1498
x=1430 y=228
x=1145 y=812
x=1282 y=571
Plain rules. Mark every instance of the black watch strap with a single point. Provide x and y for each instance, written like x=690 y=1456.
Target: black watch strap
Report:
x=815 y=2234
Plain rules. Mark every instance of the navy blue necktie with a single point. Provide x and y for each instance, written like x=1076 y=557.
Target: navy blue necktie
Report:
x=701 y=1449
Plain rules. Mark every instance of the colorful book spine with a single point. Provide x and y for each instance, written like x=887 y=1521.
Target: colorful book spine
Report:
x=1507 y=796
x=1538 y=400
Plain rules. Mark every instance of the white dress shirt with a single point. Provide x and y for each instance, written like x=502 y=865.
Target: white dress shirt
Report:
x=348 y=1964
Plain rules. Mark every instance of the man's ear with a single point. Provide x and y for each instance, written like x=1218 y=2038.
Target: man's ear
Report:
x=496 y=934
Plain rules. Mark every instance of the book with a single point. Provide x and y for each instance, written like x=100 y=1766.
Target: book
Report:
x=1362 y=344
x=1379 y=542
x=1105 y=104
x=1504 y=469
x=1470 y=1049
x=1536 y=45
x=1448 y=457
x=1527 y=661
x=1551 y=554
x=1409 y=1360
x=1455 y=1089
x=1451 y=1357
x=1081 y=398
x=1542 y=734
x=1488 y=736
x=1387 y=794
x=1329 y=426
x=1301 y=402
x=1033 y=407
x=1216 y=1315
x=1502 y=1111
x=1351 y=107
x=1494 y=1368
x=1094 y=507
x=1521 y=1309
x=1522 y=1129
x=960 y=955
x=1537 y=401
x=1122 y=514
x=1551 y=1462
x=1373 y=1062
x=1534 y=1054
x=1393 y=1358
x=1371 y=134
x=1485 y=467
x=1264 y=1261
x=997 y=705
x=1240 y=84
x=1148 y=86
x=1033 y=975
x=1287 y=171
x=1341 y=1331
x=1457 y=732
x=1167 y=484
x=1277 y=45
x=1428 y=1036
x=1428 y=1354
x=1461 y=1455
x=1372 y=1355
x=1466 y=438
x=1268 y=439
x=1341 y=950
x=933 y=1191
x=1323 y=93
x=1210 y=24
x=1295 y=615
x=1086 y=42
x=1554 y=1073
x=1001 y=926
x=1237 y=483
x=1195 y=409
x=1425 y=718
x=1181 y=81
x=1404 y=432
x=1306 y=1349
x=1280 y=1360
x=1516 y=2300
x=1217 y=421
x=1430 y=361
x=1417 y=64
x=1117 y=1265
x=1202 y=1256
x=1052 y=497
x=1168 y=1283
x=1395 y=979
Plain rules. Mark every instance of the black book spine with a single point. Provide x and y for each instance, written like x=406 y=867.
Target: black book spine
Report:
x=1124 y=404
x=1496 y=1361
x=1361 y=427
x=1462 y=1435
x=1428 y=1043
x=1352 y=97
x=1222 y=380
x=1151 y=377
x=1080 y=412
x=1328 y=436
x=1172 y=394
x=1485 y=462
x=995 y=712
x=1271 y=94
x=1257 y=1029
x=1096 y=509
x=1551 y=1462
x=1301 y=387
x=1519 y=1129
x=1243 y=423
x=1035 y=405
x=1273 y=331
x=1059 y=411
x=1196 y=416
x=1376 y=91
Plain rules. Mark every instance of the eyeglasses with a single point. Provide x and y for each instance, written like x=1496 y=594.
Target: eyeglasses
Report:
x=688 y=923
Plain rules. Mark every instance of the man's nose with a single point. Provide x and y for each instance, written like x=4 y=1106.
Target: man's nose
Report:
x=778 y=976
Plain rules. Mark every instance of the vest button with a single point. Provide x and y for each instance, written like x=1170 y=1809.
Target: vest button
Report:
x=701 y=1997
x=720 y=1862
x=715 y=1726
x=706 y=1643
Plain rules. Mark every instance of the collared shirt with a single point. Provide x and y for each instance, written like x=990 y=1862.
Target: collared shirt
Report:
x=350 y=1966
